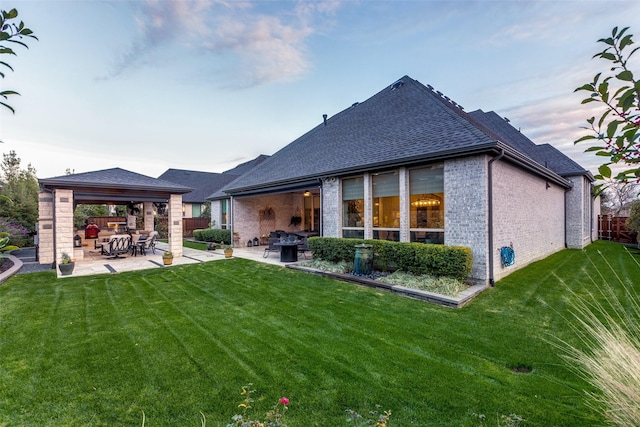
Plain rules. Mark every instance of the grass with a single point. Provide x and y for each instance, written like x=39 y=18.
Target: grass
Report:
x=194 y=245
x=178 y=341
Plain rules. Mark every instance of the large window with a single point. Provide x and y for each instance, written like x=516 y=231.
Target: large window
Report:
x=353 y=207
x=427 y=204
x=386 y=205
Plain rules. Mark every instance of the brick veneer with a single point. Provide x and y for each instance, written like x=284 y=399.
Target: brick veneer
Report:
x=465 y=210
x=528 y=213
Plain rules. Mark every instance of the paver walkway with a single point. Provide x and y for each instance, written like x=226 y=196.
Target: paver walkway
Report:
x=98 y=264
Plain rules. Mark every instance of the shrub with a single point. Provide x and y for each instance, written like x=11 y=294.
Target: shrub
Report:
x=416 y=258
x=212 y=235
x=17 y=233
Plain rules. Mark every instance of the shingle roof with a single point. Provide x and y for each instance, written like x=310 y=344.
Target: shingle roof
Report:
x=203 y=183
x=404 y=122
x=545 y=154
x=116 y=178
x=243 y=168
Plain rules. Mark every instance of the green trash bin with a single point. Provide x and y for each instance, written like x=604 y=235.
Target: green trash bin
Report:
x=363 y=263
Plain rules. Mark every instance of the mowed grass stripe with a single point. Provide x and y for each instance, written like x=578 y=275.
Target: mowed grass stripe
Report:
x=155 y=341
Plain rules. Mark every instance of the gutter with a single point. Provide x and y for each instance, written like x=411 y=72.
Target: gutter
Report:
x=492 y=282
x=566 y=232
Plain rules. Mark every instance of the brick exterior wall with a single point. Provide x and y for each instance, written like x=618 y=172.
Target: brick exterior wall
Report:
x=465 y=211
x=579 y=219
x=246 y=214
x=45 y=228
x=331 y=207
x=528 y=213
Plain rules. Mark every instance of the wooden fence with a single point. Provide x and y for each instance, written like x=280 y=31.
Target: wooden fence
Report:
x=190 y=224
x=613 y=228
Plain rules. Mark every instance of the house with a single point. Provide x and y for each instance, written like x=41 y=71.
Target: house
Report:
x=410 y=165
x=204 y=184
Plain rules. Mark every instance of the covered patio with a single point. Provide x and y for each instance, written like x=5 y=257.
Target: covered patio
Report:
x=60 y=195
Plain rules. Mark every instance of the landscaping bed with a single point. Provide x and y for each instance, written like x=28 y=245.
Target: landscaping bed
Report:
x=453 y=301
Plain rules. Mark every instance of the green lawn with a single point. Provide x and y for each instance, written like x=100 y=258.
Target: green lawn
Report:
x=178 y=341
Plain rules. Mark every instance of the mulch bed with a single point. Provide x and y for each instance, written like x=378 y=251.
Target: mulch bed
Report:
x=5 y=264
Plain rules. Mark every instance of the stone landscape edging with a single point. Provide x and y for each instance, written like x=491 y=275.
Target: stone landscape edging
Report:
x=447 y=301
x=17 y=265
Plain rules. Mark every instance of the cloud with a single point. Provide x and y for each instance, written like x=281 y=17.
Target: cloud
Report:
x=255 y=47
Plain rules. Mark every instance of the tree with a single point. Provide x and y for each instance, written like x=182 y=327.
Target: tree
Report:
x=616 y=130
x=10 y=32
x=618 y=196
x=21 y=187
x=83 y=212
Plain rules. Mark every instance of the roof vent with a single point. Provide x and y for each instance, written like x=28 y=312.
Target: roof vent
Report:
x=354 y=104
x=397 y=84
x=507 y=120
x=324 y=119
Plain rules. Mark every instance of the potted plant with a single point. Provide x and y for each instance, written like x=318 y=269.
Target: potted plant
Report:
x=228 y=251
x=236 y=237
x=167 y=258
x=66 y=264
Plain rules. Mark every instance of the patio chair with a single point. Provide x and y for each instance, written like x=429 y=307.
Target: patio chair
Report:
x=149 y=242
x=303 y=247
x=119 y=244
x=271 y=247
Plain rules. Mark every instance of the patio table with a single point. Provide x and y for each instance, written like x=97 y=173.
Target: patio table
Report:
x=288 y=251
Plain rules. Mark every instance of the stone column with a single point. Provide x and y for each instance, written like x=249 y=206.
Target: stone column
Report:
x=45 y=228
x=175 y=224
x=63 y=225
x=148 y=216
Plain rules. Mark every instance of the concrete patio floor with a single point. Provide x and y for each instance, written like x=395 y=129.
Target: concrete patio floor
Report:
x=94 y=263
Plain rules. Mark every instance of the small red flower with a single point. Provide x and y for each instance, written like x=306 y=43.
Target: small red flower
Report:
x=284 y=401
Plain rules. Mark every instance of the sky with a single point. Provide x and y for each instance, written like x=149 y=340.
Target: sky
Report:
x=149 y=85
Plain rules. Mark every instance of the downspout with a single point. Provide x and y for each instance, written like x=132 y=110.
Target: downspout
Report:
x=566 y=232
x=593 y=203
x=492 y=282
x=230 y=220
x=321 y=210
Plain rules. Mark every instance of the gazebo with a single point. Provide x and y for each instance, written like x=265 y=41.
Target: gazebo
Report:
x=60 y=195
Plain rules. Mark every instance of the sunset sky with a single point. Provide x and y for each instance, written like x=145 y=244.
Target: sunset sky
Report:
x=204 y=85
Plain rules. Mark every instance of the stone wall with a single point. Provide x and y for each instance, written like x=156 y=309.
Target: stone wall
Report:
x=45 y=228
x=175 y=224
x=63 y=207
